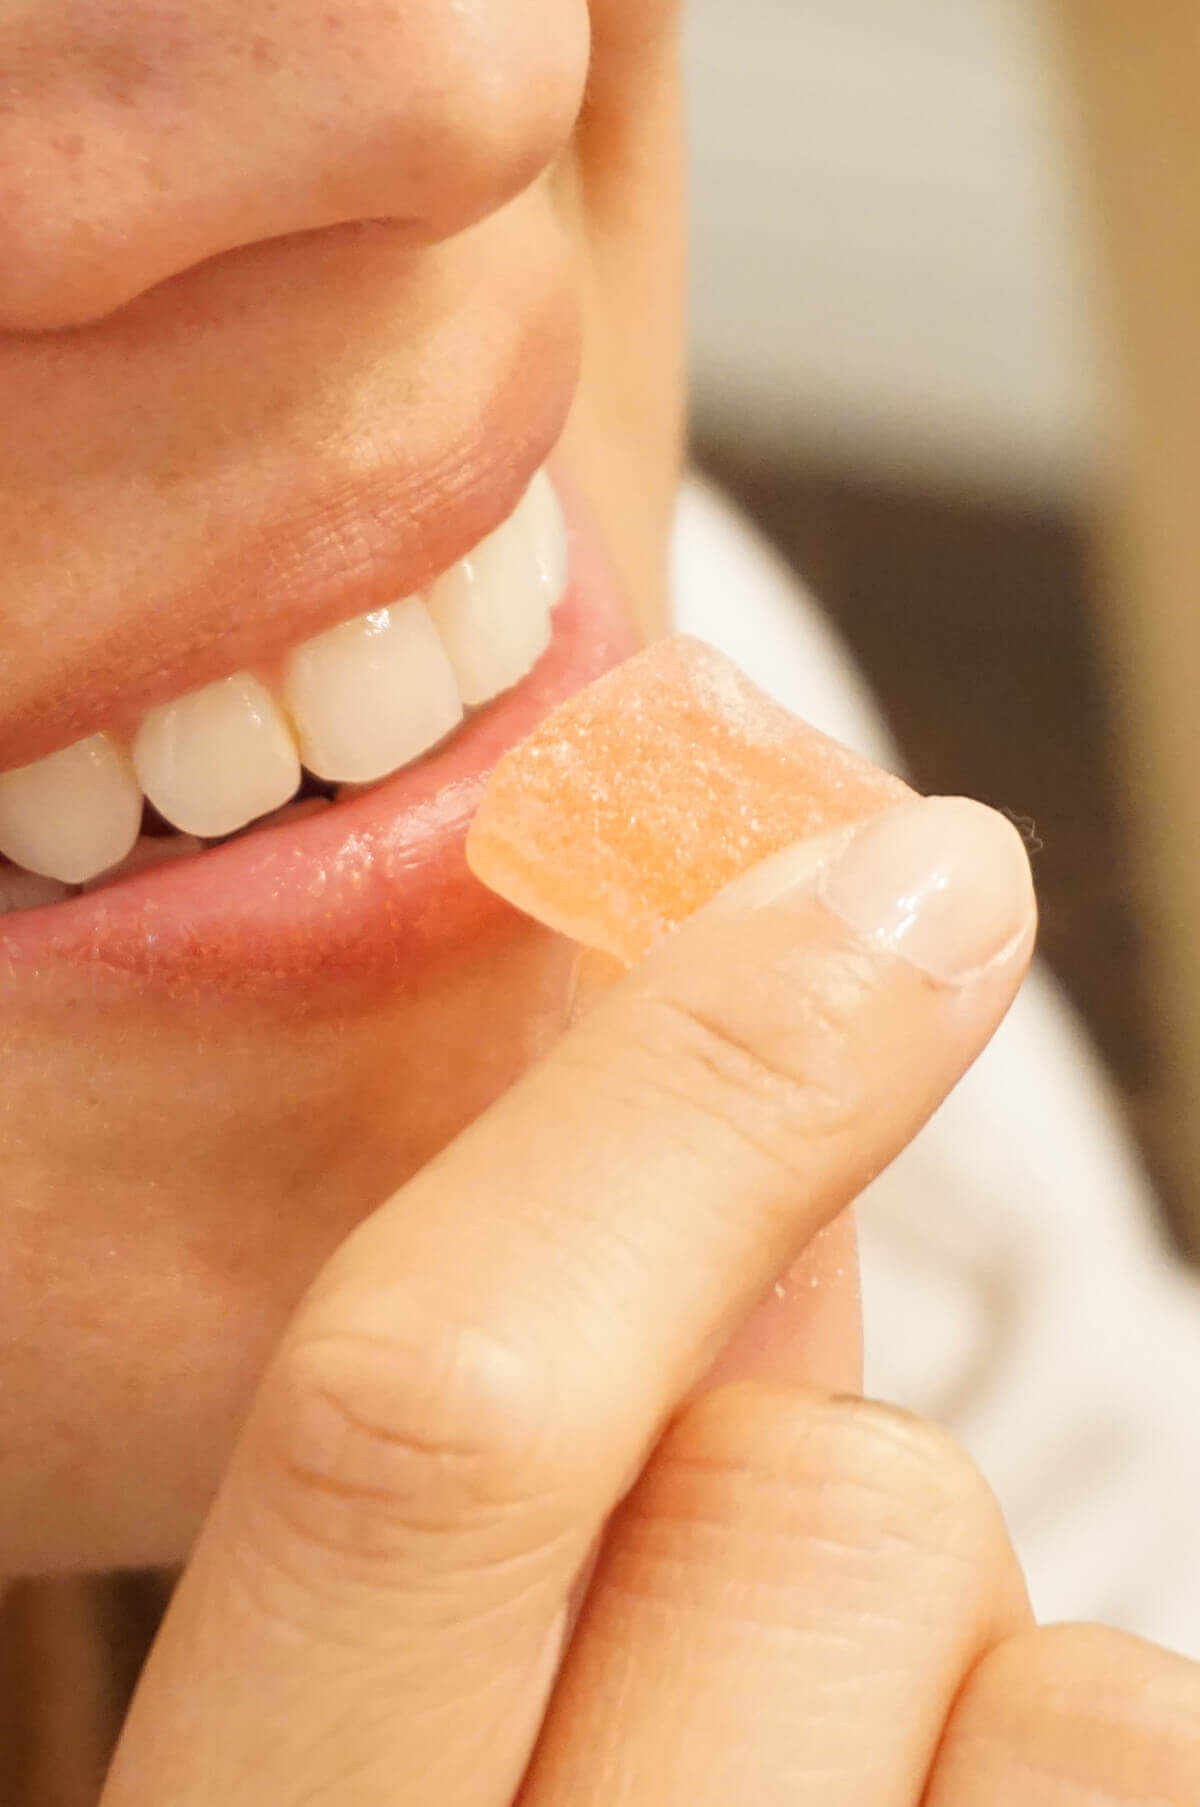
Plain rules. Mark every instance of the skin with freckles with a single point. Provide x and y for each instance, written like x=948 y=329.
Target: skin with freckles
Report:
x=494 y=1385
x=143 y=139
x=205 y=349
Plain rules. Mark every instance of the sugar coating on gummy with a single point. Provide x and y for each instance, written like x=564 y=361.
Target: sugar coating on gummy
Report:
x=637 y=799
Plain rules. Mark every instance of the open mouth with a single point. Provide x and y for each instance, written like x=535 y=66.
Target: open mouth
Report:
x=347 y=708
x=304 y=823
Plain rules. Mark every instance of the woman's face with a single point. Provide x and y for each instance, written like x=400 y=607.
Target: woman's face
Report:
x=295 y=299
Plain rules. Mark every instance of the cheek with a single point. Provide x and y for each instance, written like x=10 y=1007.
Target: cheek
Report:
x=204 y=1163
x=621 y=193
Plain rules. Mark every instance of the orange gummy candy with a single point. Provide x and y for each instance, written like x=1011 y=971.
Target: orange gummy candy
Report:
x=637 y=799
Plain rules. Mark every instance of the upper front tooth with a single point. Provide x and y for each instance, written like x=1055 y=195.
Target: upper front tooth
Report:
x=72 y=814
x=492 y=612
x=368 y=696
x=549 y=529
x=365 y=698
x=218 y=758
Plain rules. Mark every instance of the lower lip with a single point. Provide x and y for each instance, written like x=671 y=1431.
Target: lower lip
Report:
x=376 y=885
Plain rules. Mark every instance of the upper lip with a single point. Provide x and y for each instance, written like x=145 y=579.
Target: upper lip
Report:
x=299 y=519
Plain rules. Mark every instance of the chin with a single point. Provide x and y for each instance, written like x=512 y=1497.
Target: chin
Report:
x=228 y=1147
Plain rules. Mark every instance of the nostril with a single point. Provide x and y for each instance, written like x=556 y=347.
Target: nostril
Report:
x=302 y=117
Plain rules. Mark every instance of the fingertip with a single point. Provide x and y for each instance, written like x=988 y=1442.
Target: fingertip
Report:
x=944 y=882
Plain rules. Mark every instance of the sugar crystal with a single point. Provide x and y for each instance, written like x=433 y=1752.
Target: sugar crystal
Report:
x=638 y=798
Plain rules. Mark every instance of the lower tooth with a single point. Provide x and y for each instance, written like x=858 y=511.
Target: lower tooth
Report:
x=492 y=612
x=291 y=812
x=26 y=890
x=148 y=851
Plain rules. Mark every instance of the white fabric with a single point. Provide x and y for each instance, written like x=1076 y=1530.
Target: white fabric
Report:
x=1017 y=1285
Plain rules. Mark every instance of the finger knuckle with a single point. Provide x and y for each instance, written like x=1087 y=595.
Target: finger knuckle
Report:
x=905 y=1496
x=881 y=1473
x=777 y=1063
x=368 y=1448
x=835 y=1495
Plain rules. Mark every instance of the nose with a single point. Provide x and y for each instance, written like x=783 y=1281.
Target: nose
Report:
x=141 y=137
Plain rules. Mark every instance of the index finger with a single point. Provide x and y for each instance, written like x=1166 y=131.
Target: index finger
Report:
x=476 y=1379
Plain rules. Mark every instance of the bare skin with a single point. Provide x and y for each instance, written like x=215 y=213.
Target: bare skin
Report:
x=387 y=1382
x=230 y=1143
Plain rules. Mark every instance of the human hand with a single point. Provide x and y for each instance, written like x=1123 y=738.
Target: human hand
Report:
x=796 y=1590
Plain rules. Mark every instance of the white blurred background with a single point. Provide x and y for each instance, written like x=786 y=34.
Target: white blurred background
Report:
x=885 y=267
x=895 y=371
